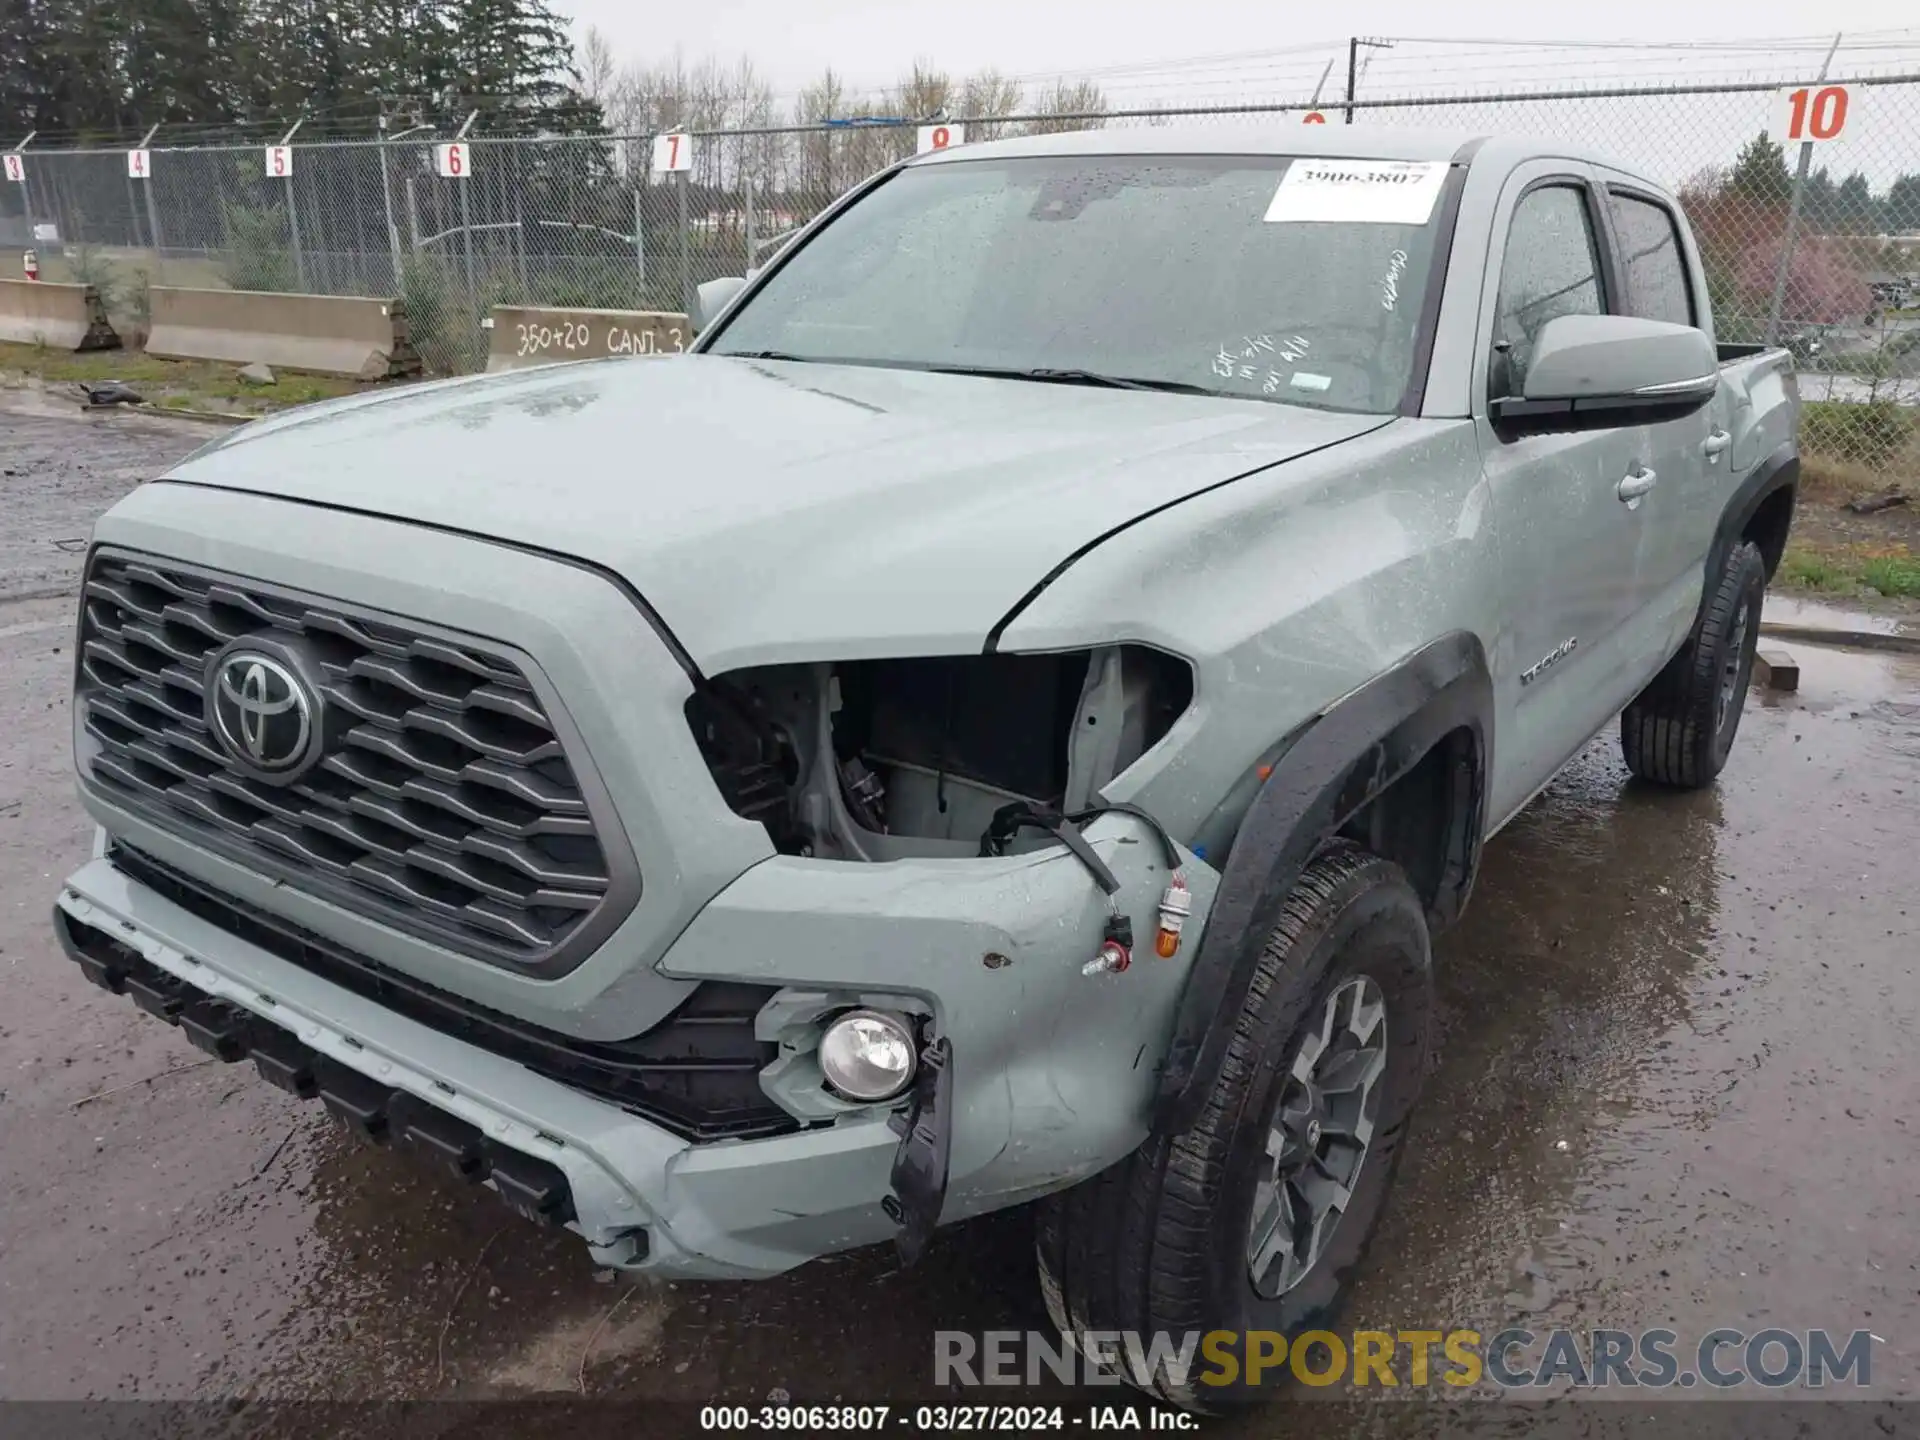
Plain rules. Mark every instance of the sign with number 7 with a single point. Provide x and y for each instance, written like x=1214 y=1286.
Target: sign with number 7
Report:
x=672 y=153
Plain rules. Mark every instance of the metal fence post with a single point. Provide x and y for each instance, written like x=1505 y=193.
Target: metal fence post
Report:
x=639 y=241
x=293 y=211
x=386 y=204
x=1772 y=334
x=686 y=253
x=747 y=201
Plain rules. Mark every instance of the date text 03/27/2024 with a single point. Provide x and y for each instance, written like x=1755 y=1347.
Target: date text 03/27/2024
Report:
x=975 y=1419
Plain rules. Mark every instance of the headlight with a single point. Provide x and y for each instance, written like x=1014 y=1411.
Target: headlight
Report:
x=868 y=1055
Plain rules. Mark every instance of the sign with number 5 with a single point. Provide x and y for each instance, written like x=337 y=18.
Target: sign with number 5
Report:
x=672 y=154
x=280 y=161
x=453 y=160
x=16 y=169
x=1813 y=113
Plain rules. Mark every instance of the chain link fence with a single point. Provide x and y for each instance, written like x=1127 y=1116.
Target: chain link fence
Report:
x=1821 y=254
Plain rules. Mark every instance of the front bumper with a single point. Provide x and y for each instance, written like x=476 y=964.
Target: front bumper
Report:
x=642 y=1198
x=1052 y=1072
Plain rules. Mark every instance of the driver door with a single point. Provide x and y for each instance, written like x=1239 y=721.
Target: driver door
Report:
x=1569 y=527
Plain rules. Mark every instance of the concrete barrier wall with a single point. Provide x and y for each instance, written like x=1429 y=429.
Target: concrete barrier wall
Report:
x=365 y=339
x=61 y=317
x=528 y=335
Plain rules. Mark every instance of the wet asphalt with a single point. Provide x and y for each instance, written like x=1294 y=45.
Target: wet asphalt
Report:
x=1676 y=1085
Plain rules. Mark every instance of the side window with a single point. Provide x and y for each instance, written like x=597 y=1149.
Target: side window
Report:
x=1655 y=266
x=1551 y=267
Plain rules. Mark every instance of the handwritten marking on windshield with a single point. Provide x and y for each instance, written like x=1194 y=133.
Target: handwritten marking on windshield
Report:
x=1390 y=286
x=1246 y=362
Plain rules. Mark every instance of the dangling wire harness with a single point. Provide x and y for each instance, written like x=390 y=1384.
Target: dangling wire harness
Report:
x=1009 y=820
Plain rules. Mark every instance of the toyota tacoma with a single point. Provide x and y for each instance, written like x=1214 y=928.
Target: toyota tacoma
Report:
x=999 y=721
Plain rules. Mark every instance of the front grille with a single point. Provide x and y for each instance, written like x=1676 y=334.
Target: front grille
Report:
x=444 y=803
x=696 y=1073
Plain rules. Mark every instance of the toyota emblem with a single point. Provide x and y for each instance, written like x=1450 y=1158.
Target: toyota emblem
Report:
x=263 y=713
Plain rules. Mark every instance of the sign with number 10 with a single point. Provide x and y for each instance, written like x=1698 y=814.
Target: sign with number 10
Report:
x=1813 y=113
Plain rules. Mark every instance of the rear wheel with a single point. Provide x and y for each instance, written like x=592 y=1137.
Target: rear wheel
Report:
x=1680 y=730
x=1256 y=1216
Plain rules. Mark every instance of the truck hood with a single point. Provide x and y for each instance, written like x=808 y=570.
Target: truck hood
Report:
x=775 y=511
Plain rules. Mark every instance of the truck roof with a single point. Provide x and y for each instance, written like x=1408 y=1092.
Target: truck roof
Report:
x=1282 y=136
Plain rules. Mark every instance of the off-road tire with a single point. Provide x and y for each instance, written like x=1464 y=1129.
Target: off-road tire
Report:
x=1679 y=731
x=1159 y=1242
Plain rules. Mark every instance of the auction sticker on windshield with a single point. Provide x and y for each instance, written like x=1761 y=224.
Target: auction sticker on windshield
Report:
x=1370 y=192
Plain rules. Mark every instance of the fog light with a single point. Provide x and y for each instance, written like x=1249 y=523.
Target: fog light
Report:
x=867 y=1055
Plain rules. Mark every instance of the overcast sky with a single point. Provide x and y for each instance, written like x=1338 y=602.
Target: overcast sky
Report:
x=871 y=41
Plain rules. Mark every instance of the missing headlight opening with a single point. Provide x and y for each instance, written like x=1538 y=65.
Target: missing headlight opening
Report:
x=885 y=759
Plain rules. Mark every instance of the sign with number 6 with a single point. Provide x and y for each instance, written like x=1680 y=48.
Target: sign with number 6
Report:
x=16 y=168
x=1812 y=113
x=941 y=137
x=453 y=160
x=280 y=161
x=672 y=154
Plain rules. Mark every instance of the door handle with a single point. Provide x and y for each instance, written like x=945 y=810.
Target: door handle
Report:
x=1715 y=445
x=1634 y=488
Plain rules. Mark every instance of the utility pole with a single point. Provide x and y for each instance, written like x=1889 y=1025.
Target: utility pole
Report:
x=1353 y=65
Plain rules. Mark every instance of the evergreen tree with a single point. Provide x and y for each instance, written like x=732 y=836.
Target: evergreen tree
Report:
x=1760 y=173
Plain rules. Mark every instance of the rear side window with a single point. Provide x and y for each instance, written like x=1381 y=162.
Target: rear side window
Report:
x=1650 y=254
x=1551 y=267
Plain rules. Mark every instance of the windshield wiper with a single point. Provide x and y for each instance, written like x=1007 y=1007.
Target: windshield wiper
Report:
x=763 y=355
x=1075 y=377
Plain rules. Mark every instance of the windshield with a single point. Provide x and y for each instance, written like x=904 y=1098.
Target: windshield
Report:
x=1262 y=277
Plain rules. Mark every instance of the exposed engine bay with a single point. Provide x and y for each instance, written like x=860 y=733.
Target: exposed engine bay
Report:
x=885 y=759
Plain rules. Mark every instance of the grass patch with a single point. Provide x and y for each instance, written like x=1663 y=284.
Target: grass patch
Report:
x=1851 y=569
x=1807 y=570
x=1892 y=575
x=173 y=384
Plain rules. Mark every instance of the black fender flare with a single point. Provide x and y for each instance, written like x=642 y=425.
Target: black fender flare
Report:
x=1344 y=758
x=1779 y=471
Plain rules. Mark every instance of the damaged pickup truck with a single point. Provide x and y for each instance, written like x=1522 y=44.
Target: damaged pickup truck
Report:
x=1000 y=721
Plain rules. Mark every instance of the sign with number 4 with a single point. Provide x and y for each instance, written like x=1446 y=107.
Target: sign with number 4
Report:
x=139 y=164
x=941 y=137
x=16 y=169
x=1813 y=113
x=452 y=160
x=672 y=154
x=279 y=161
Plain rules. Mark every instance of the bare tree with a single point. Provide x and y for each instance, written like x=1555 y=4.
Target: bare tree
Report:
x=985 y=96
x=1069 y=106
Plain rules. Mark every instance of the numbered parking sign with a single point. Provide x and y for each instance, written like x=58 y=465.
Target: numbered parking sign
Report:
x=941 y=137
x=1812 y=113
x=672 y=154
x=453 y=160
x=139 y=164
x=16 y=168
x=280 y=161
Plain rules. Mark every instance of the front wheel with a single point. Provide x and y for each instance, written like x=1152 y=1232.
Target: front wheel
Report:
x=1255 y=1217
x=1680 y=729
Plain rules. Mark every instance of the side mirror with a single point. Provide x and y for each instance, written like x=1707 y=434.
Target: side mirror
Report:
x=1592 y=371
x=715 y=296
